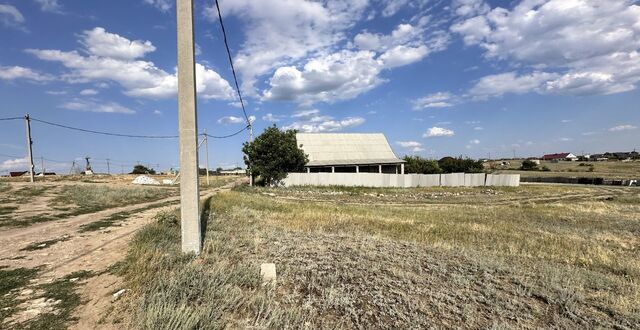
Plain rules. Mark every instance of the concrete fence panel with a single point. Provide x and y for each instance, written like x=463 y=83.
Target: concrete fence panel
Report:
x=452 y=180
x=474 y=179
x=401 y=180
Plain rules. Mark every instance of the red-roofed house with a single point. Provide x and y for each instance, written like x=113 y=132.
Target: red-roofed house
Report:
x=560 y=156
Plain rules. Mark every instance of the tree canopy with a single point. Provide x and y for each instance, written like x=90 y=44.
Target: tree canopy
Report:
x=273 y=154
x=460 y=165
x=141 y=169
x=419 y=165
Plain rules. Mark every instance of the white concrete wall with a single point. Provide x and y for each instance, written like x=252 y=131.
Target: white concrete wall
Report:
x=401 y=180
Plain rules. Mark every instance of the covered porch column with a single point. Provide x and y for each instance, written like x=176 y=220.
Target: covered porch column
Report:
x=380 y=169
x=402 y=168
x=357 y=168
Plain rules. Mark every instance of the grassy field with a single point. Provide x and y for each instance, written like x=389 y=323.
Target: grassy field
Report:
x=527 y=257
x=26 y=205
x=607 y=170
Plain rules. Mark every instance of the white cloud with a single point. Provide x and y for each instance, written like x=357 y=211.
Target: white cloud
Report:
x=317 y=123
x=88 y=91
x=305 y=113
x=111 y=57
x=573 y=46
x=474 y=141
x=436 y=100
x=162 y=5
x=301 y=47
x=468 y=8
x=438 y=132
x=478 y=128
x=17 y=72
x=393 y=6
x=101 y=43
x=94 y=106
x=231 y=120
x=622 y=128
x=414 y=146
x=565 y=139
x=19 y=164
x=157 y=112
x=337 y=76
x=566 y=121
x=281 y=32
x=50 y=6
x=56 y=92
x=510 y=82
x=10 y=15
x=271 y=118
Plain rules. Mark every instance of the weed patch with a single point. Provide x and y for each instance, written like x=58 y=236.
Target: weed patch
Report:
x=45 y=244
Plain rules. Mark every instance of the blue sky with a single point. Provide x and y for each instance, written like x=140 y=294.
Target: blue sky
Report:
x=462 y=77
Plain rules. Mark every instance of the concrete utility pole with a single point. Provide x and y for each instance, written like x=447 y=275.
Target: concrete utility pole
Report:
x=42 y=162
x=187 y=109
x=29 y=147
x=108 y=167
x=250 y=141
x=206 y=147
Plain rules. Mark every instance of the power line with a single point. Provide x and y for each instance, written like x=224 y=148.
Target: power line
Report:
x=233 y=70
x=106 y=133
x=228 y=136
x=12 y=118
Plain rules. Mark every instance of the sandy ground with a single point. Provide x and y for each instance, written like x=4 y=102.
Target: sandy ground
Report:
x=90 y=251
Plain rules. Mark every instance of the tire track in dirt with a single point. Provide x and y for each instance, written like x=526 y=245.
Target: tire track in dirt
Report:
x=91 y=251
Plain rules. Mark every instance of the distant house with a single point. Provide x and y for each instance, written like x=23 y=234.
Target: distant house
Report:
x=233 y=172
x=16 y=174
x=349 y=153
x=561 y=156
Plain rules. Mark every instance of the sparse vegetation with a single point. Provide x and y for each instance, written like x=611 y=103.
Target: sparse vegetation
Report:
x=529 y=165
x=117 y=218
x=520 y=257
x=11 y=281
x=45 y=244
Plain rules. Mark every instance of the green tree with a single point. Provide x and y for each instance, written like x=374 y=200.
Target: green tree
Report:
x=529 y=165
x=273 y=154
x=141 y=169
x=459 y=165
x=419 y=165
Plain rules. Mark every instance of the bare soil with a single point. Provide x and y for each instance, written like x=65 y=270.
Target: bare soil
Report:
x=71 y=250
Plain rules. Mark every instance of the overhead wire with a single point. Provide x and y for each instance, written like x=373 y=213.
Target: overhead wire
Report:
x=106 y=133
x=228 y=136
x=12 y=118
x=233 y=70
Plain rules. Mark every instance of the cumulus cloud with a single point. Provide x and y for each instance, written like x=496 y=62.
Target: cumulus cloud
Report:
x=95 y=106
x=51 y=6
x=568 y=47
x=111 y=57
x=312 y=122
x=18 y=164
x=226 y=120
x=162 y=5
x=622 y=128
x=305 y=113
x=468 y=8
x=271 y=118
x=338 y=76
x=438 y=132
x=474 y=141
x=414 y=146
x=88 y=92
x=10 y=16
x=11 y=73
x=304 y=52
x=280 y=32
x=436 y=100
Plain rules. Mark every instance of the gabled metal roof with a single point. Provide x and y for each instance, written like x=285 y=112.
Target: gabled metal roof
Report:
x=326 y=149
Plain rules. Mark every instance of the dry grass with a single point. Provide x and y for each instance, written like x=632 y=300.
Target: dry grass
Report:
x=608 y=169
x=526 y=257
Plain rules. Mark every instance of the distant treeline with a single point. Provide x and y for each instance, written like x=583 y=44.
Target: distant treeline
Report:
x=419 y=165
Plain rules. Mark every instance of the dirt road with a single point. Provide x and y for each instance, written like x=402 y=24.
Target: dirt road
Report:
x=74 y=251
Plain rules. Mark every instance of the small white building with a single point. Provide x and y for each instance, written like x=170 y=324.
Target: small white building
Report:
x=349 y=153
